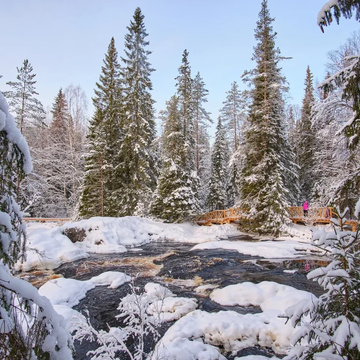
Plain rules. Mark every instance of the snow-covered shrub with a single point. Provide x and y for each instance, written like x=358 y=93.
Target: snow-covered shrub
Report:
x=330 y=325
x=138 y=325
x=29 y=326
x=141 y=313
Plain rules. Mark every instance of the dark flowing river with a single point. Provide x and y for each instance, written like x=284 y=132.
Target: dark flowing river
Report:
x=181 y=270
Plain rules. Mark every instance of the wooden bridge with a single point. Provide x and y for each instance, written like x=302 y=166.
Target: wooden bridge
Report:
x=315 y=216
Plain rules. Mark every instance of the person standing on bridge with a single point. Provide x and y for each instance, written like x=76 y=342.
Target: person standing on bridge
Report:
x=306 y=208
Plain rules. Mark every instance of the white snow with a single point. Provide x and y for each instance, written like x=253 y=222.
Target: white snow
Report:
x=200 y=331
x=133 y=230
x=48 y=249
x=172 y=308
x=66 y=293
x=264 y=249
x=112 y=278
x=267 y=295
x=227 y=329
x=326 y=7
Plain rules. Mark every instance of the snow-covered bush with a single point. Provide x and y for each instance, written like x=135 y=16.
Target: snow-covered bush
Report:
x=330 y=325
x=29 y=326
x=142 y=313
x=139 y=324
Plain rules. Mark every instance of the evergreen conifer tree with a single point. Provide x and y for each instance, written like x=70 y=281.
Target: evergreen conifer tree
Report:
x=202 y=117
x=30 y=327
x=184 y=88
x=137 y=168
x=104 y=141
x=204 y=172
x=175 y=199
x=336 y=9
x=306 y=144
x=232 y=114
x=268 y=169
x=217 y=199
x=92 y=197
x=22 y=99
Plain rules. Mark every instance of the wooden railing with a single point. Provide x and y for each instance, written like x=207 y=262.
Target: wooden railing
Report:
x=296 y=214
x=220 y=216
x=42 y=220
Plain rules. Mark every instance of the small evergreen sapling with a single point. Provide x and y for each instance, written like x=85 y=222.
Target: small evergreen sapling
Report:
x=330 y=325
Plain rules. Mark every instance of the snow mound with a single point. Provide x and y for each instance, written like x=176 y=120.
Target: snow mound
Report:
x=48 y=248
x=184 y=349
x=172 y=308
x=112 y=278
x=226 y=329
x=267 y=294
x=67 y=292
x=157 y=292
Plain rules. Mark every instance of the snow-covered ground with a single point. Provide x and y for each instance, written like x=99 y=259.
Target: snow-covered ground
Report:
x=48 y=247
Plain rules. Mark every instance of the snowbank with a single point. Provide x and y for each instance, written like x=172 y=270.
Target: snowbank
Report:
x=267 y=294
x=48 y=248
x=133 y=231
x=199 y=331
x=265 y=249
x=66 y=293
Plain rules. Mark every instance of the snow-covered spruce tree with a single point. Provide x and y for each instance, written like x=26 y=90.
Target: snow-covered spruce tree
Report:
x=202 y=117
x=233 y=114
x=217 y=199
x=174 y=199
x=202 y=146
x=330 y=325
x=100 y=183
x=184 y=87
x=92 y=197
x=204 y=172
x=337 y=8
x=268 y=173
x=22 y=99
x=136 y=162
x=306 y=141
x=29 y=326
x=293 y=121
x=30 y=118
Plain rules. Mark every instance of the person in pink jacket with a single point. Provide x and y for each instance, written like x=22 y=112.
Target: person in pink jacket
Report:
x=306 y=208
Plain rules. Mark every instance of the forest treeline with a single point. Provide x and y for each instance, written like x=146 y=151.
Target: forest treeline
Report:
x=267 y=154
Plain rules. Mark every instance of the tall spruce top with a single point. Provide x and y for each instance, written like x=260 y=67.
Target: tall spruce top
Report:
x=108 y=86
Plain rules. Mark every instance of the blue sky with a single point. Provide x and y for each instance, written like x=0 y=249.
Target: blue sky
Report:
x=65 y=41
